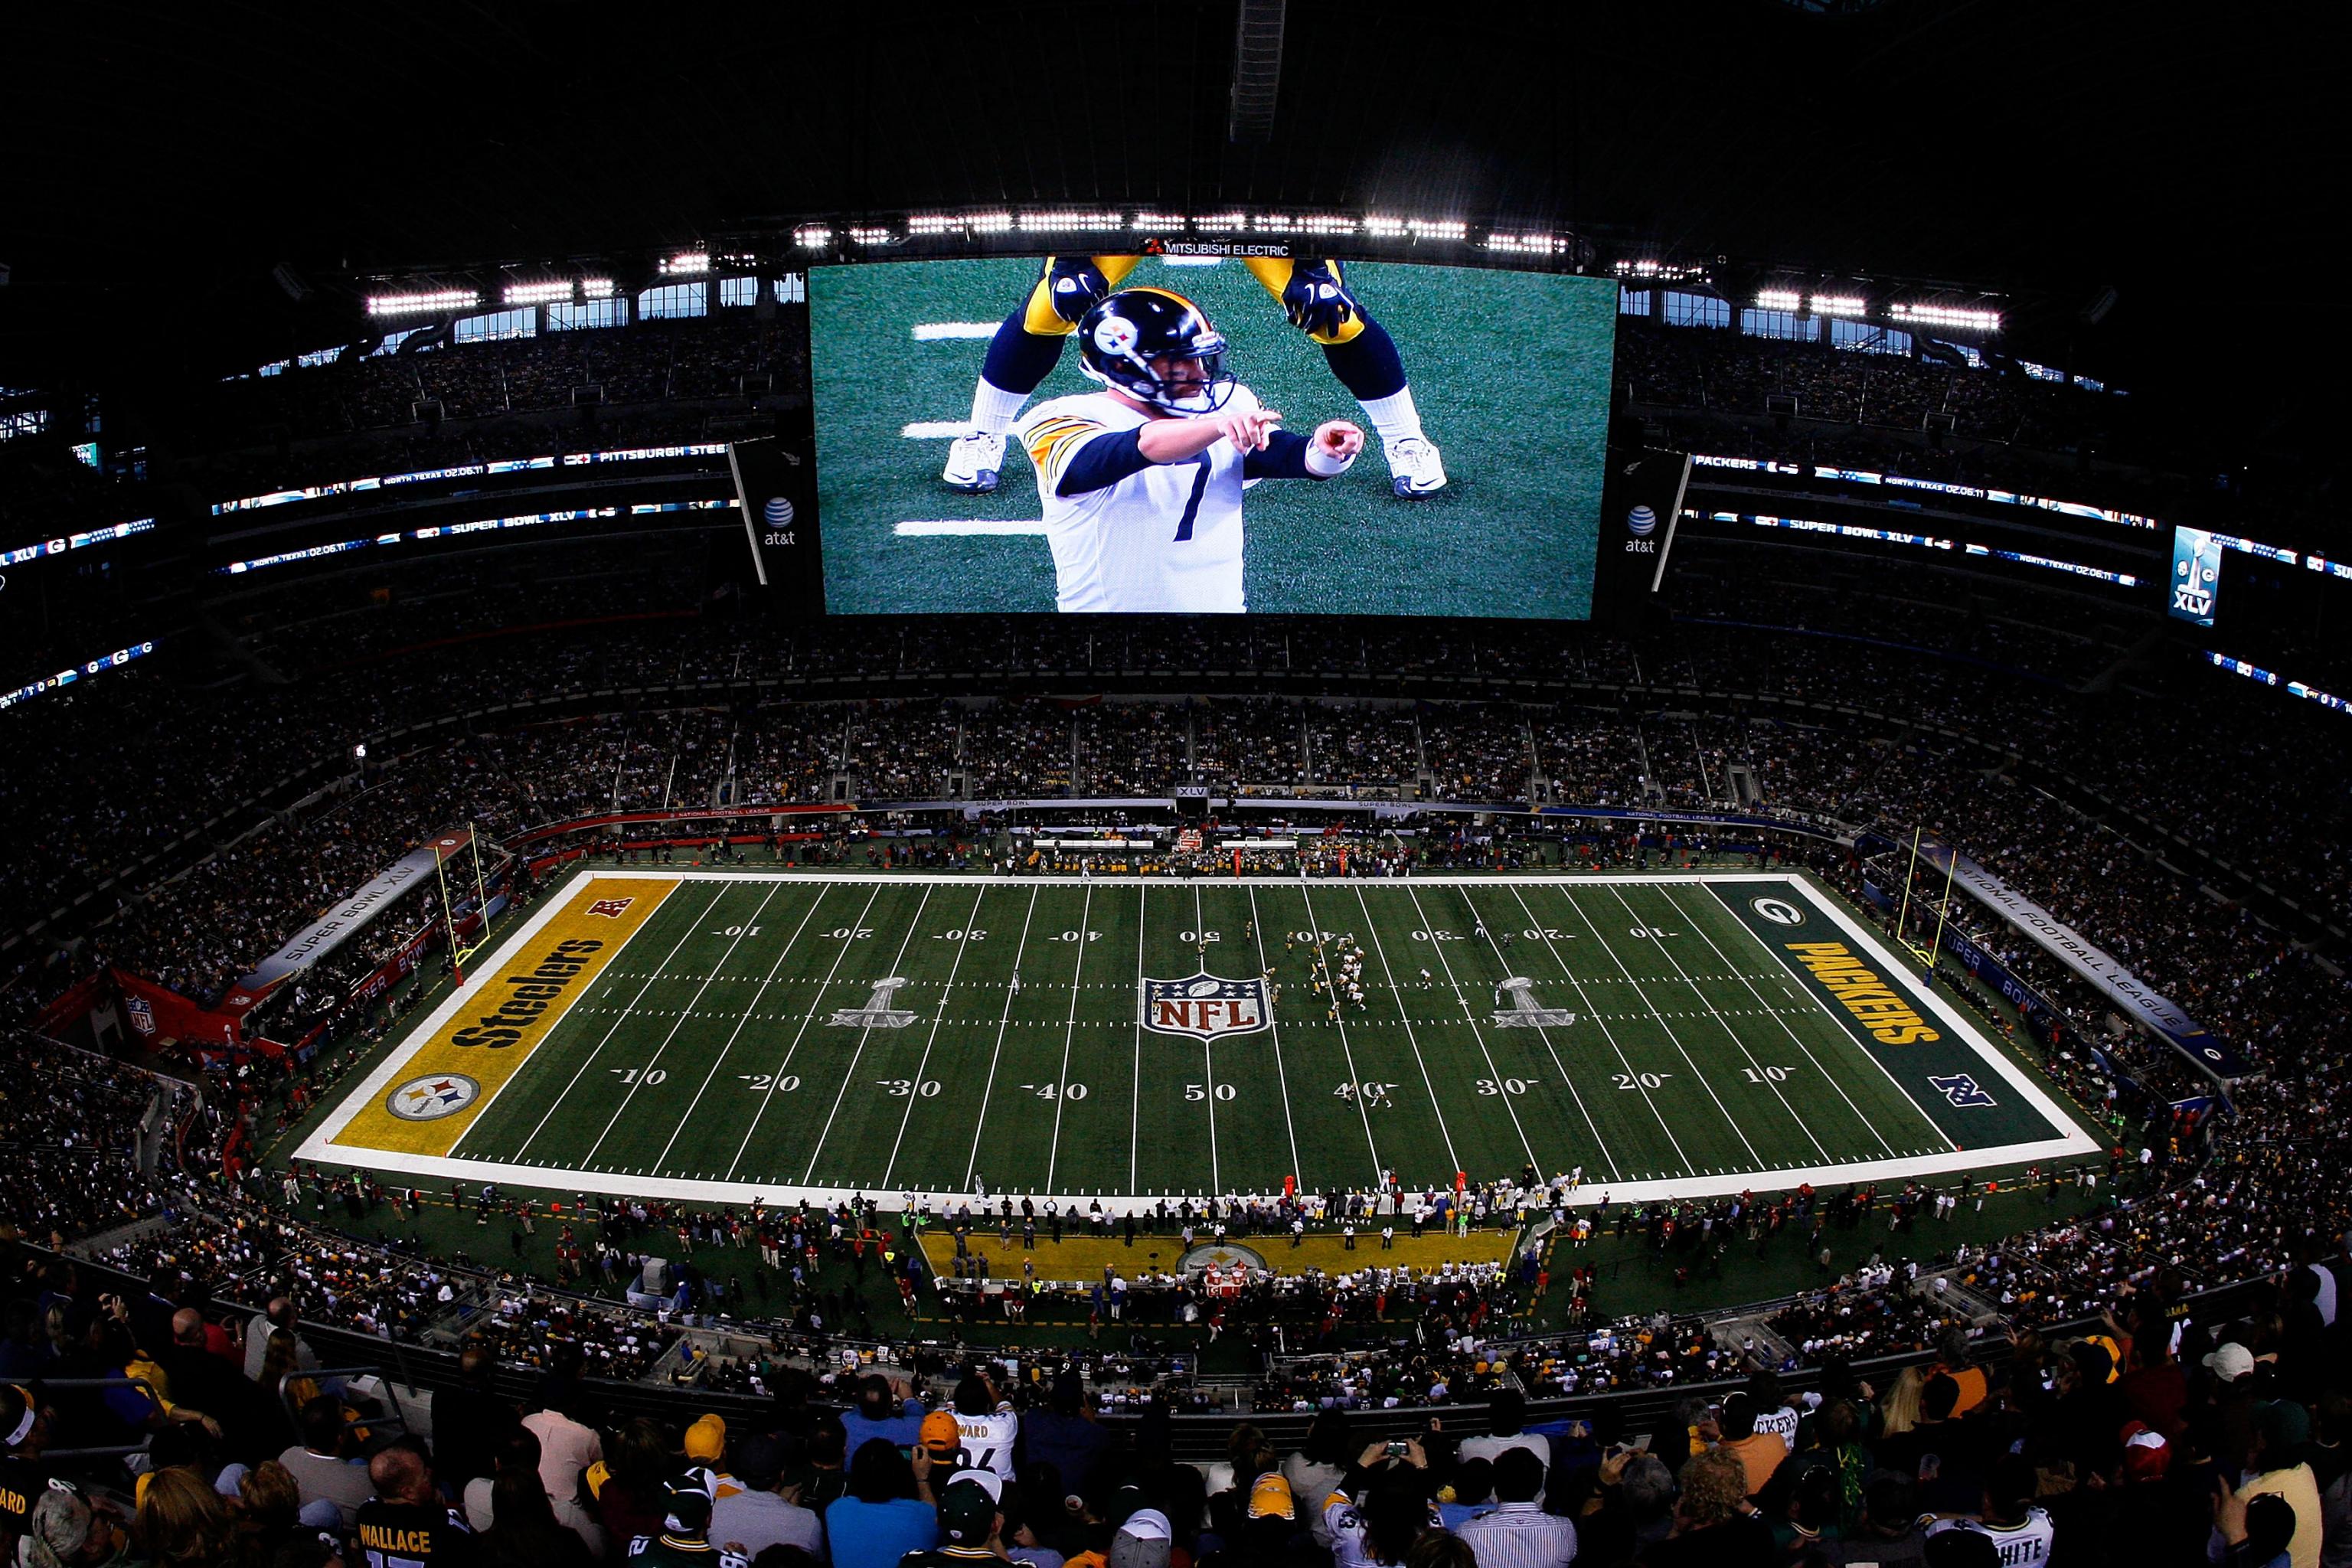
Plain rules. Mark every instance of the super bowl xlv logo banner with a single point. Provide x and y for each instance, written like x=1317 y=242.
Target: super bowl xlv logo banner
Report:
x=1202 y=1007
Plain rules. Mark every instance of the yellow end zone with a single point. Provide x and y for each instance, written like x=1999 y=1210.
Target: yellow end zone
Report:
x=1080 y=1259
x=507 y=1009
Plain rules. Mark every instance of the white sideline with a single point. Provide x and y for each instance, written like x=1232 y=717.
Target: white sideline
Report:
x=968 y=526
x=935 y=332
x=935 y=429
x=318 y=1148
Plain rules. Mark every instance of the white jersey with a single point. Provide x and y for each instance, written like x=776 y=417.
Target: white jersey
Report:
x=1168 y=539
x=988 y=1440
x=2022 y=1545
x=1781 y=1422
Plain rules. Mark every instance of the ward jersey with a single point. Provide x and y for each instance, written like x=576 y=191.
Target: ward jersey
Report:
x=988 y=1440
x=1166 y=539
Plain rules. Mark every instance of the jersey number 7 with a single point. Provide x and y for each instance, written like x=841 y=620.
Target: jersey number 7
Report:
x=1192 y=503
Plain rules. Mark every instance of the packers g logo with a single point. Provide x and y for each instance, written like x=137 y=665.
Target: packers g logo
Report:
x=1779 y=912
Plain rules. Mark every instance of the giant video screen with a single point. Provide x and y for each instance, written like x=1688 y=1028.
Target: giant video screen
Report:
x=1308 y=437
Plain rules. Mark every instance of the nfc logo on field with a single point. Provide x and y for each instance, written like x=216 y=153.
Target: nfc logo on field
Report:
x=1961 y=1089
x=1203 y=1008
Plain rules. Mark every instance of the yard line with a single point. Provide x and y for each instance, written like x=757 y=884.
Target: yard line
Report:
x=638 y=1082
x=967 y=526
x=1354 y=1076
x=916 y=1098
x=1729 y=1033
x=933 y=429
x=816 y=1005
x=1208 y=1058
x=590 y=1059
x=1135 y=1084
x=1274 y=1028
x=1069 y=1028
x=1838 y=1024
x=972 y=1166
x=937 y=332
x=743 y=1019
x=1607 y=1033
x=1475 y=1033
x=1545 y=1035
x=1737 y=1131
x=864 y=1033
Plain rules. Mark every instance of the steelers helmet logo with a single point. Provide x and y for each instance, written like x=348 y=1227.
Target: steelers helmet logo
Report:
x=432 y=1097
x=778 y=511
x=1779 y=912
x=1115 y=335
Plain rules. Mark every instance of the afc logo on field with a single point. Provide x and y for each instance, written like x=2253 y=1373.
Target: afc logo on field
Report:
x=611 y=909
x=1203 y=1008
x=1961 y=1089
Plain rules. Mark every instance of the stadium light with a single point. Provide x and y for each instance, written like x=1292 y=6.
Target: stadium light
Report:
x=596 y=288
x=1946 y=316
x=813 y=236
x=687 y=263
x=1852 y=306
x=1383 y=228
x=990 y=223
x=1150 y=222
x=429 y=302
x=930 y=222
x=1527 y=243
x=552 y=292
x=1228 y=220
x=1778 y=299
x=869 y=235
x=1438 y=228
x=1069 y=222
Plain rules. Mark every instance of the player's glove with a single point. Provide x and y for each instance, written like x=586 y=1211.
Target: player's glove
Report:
x=1316 y=300
x=1073 y=284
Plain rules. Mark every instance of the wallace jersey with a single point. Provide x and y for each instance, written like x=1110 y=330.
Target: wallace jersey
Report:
x=988 y=1440
x=1166 y=539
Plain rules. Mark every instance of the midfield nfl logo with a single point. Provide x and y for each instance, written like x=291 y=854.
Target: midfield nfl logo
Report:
x=1524 y=1011
x=877 y=1013
x=1204 y=1008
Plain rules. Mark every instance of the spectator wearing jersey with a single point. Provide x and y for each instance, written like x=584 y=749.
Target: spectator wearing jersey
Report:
x=2022 y=1534
x=1517 y=1532
x=2277 y=1467
x=1759 y=1453
x=1379 y=1509
x=987 y=1425
x=684 y=1538
x=406 y=1524
x=881 y=1518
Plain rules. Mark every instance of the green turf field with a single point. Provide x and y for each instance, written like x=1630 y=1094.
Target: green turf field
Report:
x=1510 y=372
x=774 y=1033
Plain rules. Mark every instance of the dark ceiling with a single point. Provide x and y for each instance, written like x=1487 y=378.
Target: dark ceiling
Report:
x=166 y=155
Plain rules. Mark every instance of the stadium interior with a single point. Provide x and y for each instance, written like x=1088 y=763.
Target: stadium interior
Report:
x=426 y=464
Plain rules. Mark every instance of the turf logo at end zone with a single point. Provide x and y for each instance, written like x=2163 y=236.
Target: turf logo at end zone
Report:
x=482 y=1035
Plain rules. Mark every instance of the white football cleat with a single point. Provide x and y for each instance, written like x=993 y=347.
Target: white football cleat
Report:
x=974 y=461
x=1414 y=467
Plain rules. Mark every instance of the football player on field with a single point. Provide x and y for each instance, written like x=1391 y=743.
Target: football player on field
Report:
x=1314 y=295
x=1143 y=481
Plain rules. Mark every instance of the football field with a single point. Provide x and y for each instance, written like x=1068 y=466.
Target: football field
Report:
x=896 y=348
x=717 y=1036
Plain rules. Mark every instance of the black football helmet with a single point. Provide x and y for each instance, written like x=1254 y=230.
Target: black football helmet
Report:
x=1127 y=334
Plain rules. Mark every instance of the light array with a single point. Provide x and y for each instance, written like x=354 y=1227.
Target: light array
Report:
x=1308 y=222
x=868 y=234
x=1946 y=316
x=1528 y=244
x=552 y=292
x=1069 y=222
x=432 y=301
x=1852 y=306
x=813 y=236
x=1778 y=299
x=687 y=263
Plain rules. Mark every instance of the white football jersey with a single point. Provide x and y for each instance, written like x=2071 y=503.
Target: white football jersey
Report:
x=1168 y=539
x=988 y=1440
x=2021 y=1545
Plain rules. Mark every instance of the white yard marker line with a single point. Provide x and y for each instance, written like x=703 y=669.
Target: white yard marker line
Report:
x=1794 y=1038
x=864 y=1033
x=1550 y=1050
x=935 y=429
x=1135 y=1084
x=944 y=331
x=968 y=528
x=972 y=1166
x=1643 y=997
x=745 y=1017
x=679 y=1023
x=1606 y=1032
x=1191 y=261
x=1464 y=1001
x=916 y=1098
x=590 y=1059
x=1208 y=1056
x=1354 y=1074
x=1725 y=1024
x=816 y=1005
x=1281 y=1073
x=1069 y=1031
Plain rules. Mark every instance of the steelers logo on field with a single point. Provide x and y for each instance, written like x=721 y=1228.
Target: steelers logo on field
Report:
x=430 y=1098
x=1779 y=912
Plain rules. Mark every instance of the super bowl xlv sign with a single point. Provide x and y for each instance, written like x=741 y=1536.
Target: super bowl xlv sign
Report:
x=1203 y=1008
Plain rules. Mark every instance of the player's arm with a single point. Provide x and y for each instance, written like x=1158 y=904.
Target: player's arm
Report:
x=1079 y=455
x=1326 y=455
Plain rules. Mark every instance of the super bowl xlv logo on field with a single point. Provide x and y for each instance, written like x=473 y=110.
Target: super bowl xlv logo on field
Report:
x=1203 y=1008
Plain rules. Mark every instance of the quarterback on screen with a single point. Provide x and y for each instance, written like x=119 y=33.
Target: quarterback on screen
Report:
x=1143 y=481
